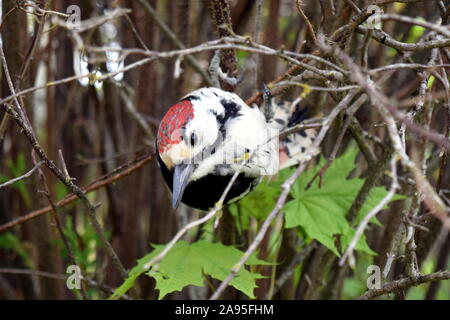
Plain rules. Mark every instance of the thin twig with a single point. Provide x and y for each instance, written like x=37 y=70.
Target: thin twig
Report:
x=389 y=113
x=112 y=177
x=398 y=285
x=222 y=43
x=386 y=39
x=408 y=20
x=372 y=213
x=173 y=38
x=308 y=23
x=46 y=274
x=26 y=175
x=286 y=187
x=21 y=120
x=296 y=260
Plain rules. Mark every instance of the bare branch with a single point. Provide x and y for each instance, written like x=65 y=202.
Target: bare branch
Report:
x=286 y=187
x=112 y=177
x=348 y=254
x=387 y=40
x=22 y=121
x=173 y=38
x=398 y=285
x=26 y=175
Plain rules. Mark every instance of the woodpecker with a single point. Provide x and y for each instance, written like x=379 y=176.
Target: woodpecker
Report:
x=210 y=134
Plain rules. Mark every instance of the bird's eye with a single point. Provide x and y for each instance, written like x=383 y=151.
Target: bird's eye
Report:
x=194 y=139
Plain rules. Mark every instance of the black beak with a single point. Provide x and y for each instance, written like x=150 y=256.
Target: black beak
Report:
x=181 y=175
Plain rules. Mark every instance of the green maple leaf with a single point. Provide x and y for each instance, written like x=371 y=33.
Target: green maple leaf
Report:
x=315 y=220
x=321 y=210
x=187 y=264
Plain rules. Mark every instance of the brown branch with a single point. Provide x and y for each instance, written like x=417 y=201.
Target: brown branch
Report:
x=112 y=177
x=221 y=17
x=286 y=187
x=357 y=133
x=398 y=285
x=386 y=39
x=57 y=221
x=298 y=258
x=175 y=41
x=389 y=111
x=339 y=36
x=105 y=288
x=308 y=23
x=67 y=182
x=337 y=144
x=381 y=2
x=21 y=119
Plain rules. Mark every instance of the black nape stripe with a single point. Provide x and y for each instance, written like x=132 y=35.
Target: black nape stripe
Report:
x=298 y=116
x=231 y=111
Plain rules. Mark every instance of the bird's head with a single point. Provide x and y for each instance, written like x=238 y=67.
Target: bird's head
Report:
x=208 y=134
x=188 y=134
x=184 y=132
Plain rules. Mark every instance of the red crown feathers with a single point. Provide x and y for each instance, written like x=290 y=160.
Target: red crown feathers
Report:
x=176 y=118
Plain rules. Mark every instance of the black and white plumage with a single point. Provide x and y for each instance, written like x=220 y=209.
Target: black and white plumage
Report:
x=203 y=140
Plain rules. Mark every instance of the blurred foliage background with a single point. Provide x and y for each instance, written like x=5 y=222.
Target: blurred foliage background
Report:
x=91 y=123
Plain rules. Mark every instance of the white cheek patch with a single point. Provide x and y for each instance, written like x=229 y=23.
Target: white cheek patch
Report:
x=205 y=127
